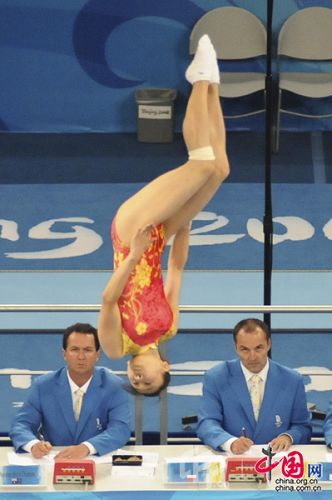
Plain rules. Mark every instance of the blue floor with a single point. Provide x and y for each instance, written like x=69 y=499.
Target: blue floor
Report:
x=99 y=158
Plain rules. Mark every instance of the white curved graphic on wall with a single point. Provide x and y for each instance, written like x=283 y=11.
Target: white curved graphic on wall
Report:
x=320 y=381
x=186 y=389
x=327 y=230
x=320 y=377
x=296 y=229
x=219 y=222
x=18 y=381
x=9 y=230
x=198 y=236
x=195 y=365
x=86 y=240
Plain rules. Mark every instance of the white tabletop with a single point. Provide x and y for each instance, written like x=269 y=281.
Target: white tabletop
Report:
x=105 y=481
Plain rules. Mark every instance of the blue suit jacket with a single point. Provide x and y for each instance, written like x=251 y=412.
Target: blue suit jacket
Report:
x=328 y=425
x=226 y=406
x=104 y=419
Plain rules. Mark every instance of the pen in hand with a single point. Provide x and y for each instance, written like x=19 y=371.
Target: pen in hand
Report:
x=242 y=443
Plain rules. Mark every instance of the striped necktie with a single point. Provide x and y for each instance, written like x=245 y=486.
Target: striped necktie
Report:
x=78 y=400
x=255 y=393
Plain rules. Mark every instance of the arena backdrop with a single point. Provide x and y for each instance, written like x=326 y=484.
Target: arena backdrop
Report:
x=74 y=65
x=67 y=227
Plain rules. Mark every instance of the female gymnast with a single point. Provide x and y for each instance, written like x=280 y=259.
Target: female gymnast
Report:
x=138 y=310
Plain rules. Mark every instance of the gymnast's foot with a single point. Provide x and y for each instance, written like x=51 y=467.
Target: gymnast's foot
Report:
x=201 y=66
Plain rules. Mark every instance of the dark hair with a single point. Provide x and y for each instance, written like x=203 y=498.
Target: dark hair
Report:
x=166 y=380
x=249 y=325
x=80 y=328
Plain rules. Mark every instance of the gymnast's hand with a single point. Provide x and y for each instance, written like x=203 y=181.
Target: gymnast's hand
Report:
x=140 y=242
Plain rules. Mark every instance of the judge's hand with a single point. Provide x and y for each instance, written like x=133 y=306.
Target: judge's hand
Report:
x=41 y=449
x=281 y=443
x=241 y=445
x=74 y=452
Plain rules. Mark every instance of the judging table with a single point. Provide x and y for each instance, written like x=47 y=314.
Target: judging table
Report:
x=106 y=482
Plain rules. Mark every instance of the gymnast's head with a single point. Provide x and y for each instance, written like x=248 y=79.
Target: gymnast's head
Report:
x=148 y=373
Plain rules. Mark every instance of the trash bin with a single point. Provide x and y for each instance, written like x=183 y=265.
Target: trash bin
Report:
x=155 y=115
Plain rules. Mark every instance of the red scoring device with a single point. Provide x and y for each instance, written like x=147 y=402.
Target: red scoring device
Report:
x=74 y=471
x=242 y=469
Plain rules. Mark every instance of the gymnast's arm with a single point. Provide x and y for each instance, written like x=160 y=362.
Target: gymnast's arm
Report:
x=109 y=324
x=177 y=259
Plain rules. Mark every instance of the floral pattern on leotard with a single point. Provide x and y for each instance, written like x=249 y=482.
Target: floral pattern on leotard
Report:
x=145 y=313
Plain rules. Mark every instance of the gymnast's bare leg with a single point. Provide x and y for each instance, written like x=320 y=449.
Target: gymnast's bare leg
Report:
x=177 y=196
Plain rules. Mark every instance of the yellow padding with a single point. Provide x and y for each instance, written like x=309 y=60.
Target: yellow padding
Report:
x=205 y=153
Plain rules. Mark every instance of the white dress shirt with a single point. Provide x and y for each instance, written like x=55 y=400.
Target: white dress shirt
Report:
x=247 y=375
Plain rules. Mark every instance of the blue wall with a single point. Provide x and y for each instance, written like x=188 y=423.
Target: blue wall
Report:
x=74 y=65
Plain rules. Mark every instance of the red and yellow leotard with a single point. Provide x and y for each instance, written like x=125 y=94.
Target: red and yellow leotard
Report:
x=146 y=315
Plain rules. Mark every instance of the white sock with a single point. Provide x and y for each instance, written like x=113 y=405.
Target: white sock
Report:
x=215 y=73
x=201 y=66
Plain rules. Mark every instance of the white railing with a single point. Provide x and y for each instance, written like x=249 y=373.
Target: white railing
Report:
x=185 y=309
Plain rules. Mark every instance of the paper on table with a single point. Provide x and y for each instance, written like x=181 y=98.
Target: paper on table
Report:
x=28 y=459
x=197 y=458
x=104 y=459
x=133 y=470
x=256 y=451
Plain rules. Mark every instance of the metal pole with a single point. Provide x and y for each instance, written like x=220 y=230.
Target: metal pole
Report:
x=268 y=219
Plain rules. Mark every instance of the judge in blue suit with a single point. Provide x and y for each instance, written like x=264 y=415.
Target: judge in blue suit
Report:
x=328 y=426
x=236 y=412
x=94 y=420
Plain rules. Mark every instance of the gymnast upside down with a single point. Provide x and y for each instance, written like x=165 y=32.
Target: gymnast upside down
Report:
x=138 y=310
